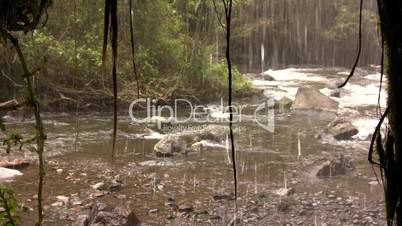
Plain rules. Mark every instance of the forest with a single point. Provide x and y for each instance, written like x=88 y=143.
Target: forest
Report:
x=200 y=112
x=179 y=47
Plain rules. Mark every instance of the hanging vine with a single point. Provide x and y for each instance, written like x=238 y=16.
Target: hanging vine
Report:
x=111 y=26
x=133 y=49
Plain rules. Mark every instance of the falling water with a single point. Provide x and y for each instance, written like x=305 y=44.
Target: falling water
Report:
x=262 y=58
x=251 y=144
x=255 y=179
x=288 y=32
x=298 y=147
x=228 y=159
x=285 y=180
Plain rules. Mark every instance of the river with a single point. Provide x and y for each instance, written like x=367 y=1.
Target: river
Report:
x=266 y=161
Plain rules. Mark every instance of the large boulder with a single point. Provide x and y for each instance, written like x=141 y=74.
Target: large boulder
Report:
x=103 y=214
x=313 y=99
x=342 y=129
x=283 y=104
x=214 y=133
x=338 y=166
x=6 y=173
x=170 y=145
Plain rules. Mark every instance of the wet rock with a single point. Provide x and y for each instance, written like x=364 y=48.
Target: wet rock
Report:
x=196 y=147
x=115 y=185
x=267 y=77
x=334 y=84
x=132 y=220
x=313 y=99
x=223 y=196
x=338 y=166
x=121 y=196
x=284 y=191
x=14 y=164
x=82 y=220
x=283 y=104
x=342 y=129
x=64 y=199
x=283 y=206
x=101 y=214
x=335 y=93
x=185 y=208
x=98 y=194
x=99 y=186
x=170 y=145
x=234 y=221
x=76 y=203
x=6 y=173
x=213 y=132
x=153 y=211
x=55 y=204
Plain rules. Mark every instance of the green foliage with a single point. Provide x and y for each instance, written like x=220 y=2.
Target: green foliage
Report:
x=9 y=207
x=346 y=23
x=13 y=139
x=174 y=42
x=216 y=77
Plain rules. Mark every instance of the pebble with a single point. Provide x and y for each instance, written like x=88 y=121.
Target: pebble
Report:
x=223 y=196
x=98 y=186
x=284 y=191
x=76 y=203
x=152 y=211
x=99 y=194
x=63 y=199
x=115 y=186
x=369 y=219
x=56 y=204
x=184 y=208
x=121 y=196
x=355 y=221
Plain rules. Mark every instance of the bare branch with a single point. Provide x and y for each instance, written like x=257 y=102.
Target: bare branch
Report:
x=217 y=14
x=11 y=105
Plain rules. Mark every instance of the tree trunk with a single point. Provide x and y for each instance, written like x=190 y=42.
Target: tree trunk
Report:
x=391 y=27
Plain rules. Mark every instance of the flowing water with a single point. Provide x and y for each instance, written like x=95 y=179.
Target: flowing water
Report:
x=264 y=158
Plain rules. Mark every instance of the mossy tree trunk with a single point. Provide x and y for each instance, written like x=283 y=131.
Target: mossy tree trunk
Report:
x=391 y=27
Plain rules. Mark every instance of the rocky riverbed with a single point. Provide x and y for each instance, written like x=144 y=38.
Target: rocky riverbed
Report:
x=311 y=170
